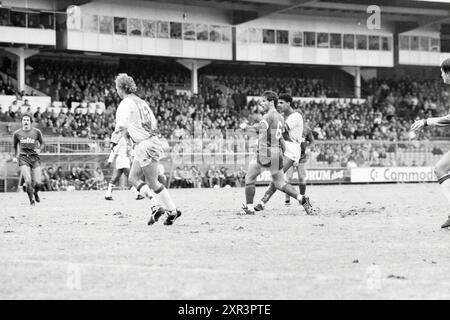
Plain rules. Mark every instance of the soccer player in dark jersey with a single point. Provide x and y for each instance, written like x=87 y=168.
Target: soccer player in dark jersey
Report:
x=293 y=136
x=27 y=144
x=269 y=152
x=441 y=168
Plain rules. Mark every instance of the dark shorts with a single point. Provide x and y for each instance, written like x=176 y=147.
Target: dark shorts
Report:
x=31 y=161
x=266 y=157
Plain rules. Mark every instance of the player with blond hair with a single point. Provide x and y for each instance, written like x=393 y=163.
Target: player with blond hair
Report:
x=136 y=121
x=441 y=168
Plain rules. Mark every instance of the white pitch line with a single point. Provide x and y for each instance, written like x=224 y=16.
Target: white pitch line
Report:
x=259 y=274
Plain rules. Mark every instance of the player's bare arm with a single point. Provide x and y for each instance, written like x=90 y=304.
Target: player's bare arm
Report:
x=16 y=149
x=40 y=139
x=432 y=122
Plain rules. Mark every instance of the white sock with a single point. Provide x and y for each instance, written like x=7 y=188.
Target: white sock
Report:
x=300 y=197
x=148 y=193
x=134 y=190
x=446 y=189
x=109 y=191
x=250 y=207
x=164 y=197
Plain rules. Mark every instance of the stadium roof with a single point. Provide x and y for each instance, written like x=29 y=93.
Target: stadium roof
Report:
x=419 y=12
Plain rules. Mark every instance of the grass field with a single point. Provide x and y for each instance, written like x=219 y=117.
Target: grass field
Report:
x=76 y=245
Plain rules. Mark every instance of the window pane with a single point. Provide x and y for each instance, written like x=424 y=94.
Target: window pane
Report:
x=202 y=32
x=214 y=33
x=242 y=35
x=134 y=27
x=322 y=40
x=120 y=25
x=361 y=42
x=374 y=43
x=4 y=17
x=310 y=39
x=149 y=28
x=163 y=29
x=349 y=41
x=268 y=36
x=282 y=37
x=386 y=44
x=335 y=40
x=47 y=20
x=297 y=38
x=414 y=43
x=175 y=30
x=33 y=20
x=226 y=34
x=435 y=44
x=90 y=23
x=254 y=35
x=106 y=24
x=403 y=42
x=189 y=31
x=424 y=44
x=18 y=19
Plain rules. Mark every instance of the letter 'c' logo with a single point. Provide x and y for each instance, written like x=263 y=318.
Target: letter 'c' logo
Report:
x=373 y=174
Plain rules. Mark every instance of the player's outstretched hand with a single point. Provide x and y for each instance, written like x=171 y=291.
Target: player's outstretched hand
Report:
x=14 y=160
x=417 y=125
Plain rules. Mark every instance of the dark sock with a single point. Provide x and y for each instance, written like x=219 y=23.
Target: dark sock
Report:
x=249 y=192
x=302 y=187
x=269 y=193
x=29 y=188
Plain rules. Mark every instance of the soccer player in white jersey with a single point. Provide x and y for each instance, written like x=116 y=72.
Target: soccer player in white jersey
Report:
x=120 y=155
x=441 y=168
x=292 y=135
x=136 y=121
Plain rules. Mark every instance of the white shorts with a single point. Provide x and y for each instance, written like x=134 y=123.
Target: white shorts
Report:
x=148 y=151
x=292 y=151
x=122 y=162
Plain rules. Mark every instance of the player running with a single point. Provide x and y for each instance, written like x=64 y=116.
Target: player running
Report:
x=442 y=168
x=30 y=142
x=136 y=121
x=294 y=153
x=121 y=155
x=269 y=152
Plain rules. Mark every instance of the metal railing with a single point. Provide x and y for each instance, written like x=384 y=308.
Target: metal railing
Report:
x=321 y=154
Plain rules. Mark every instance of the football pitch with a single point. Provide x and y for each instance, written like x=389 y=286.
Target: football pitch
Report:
x=368 y=242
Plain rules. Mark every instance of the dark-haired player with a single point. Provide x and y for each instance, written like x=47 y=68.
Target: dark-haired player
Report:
x=269 y=152
x=27 y=143
x=293 y=137
x=441 y=168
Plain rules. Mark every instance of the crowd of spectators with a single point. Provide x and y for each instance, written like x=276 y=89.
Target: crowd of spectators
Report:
x=221 y=105
x=77 y=178
x=212 y=177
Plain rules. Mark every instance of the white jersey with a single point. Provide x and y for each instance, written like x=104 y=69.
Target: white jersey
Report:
x=135 y=114
x=122 y=149
x=294 y=123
